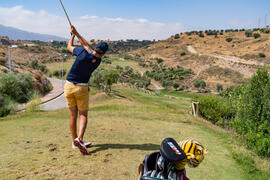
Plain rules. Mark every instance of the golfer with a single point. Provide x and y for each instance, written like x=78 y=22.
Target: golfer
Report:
x=76 y=87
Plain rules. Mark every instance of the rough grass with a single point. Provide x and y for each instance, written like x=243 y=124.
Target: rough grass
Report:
x=123 y=127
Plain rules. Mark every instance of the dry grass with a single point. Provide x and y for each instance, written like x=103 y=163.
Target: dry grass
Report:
x=209 y=46
x=123 y=127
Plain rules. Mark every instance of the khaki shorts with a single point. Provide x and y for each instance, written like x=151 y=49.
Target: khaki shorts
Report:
x=77 y=95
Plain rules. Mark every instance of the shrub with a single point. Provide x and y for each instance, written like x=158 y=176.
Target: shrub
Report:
x=34 y=104
x=176 y=36
x=183 y=54
x=262 y=55
x=219 y=87
x=216 y=109
x=6 y=106
x=34 y=64
x=201 y=35
x=229 y=39
x=159 y=60
x=166 y=83
x=199 y=84
x=56 y=73
x=256 y=35
x=248 y=33
x=18 y=87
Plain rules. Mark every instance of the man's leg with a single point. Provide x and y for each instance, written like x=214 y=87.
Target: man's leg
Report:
x=73 y=121
x=83 y=123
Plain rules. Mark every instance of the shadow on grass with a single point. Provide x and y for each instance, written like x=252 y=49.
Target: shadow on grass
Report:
x=144 y=147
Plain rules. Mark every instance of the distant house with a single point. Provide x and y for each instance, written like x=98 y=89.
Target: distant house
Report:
x=29 y=45
x=50 y=42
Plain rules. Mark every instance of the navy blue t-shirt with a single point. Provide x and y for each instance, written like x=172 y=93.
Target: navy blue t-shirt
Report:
x=83 y=67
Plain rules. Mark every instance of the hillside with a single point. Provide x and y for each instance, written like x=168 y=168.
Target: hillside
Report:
x=41 y=53
x=41 y=83
x=212 y=58
x=17 y=34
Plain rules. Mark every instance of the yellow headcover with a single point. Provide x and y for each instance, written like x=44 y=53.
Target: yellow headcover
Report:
x=194 y=151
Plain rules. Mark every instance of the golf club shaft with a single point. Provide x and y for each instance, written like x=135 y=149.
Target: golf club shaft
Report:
x=66 y=13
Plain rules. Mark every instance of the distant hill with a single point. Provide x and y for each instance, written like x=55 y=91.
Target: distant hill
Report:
x=227 y=57
x=17 y=34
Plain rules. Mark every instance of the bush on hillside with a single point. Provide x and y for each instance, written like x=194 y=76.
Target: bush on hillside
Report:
x=256 y=35
x=229 y=39
x=201 y=35
x=199 y=84
x=59 y=73
x=159 y=60
x=183 y=54
x=134 y=78
x=166 y=83
x=248 y=33
x=18 y=87
x=262 y=55
x=219 y=87
x=35 y=65
x=176 y=36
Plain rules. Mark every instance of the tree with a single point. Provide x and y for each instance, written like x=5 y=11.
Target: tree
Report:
x=109 y=77
x=219 y=87
x=165 y=83
x=256 y=35
x=96 y=78
x=175 y=86
x=176 y=36
x=199 y=84
x=253 y=118
x=201 y=35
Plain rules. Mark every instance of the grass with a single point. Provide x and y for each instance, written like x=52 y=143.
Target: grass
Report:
x=123 y=127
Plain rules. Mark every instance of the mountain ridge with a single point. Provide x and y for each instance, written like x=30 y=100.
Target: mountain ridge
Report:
x=18 y=34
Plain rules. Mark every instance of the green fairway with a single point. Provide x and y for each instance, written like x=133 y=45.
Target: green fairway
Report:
x=123 y=127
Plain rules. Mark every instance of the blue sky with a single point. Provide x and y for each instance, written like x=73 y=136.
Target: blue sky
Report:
x=195 y=14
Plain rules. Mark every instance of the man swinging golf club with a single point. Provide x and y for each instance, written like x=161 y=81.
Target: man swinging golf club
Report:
x=76 y=88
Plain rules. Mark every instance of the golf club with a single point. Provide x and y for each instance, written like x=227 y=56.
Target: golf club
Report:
x=65 y=13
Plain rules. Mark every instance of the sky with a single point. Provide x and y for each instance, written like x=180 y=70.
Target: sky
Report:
x=132 y=19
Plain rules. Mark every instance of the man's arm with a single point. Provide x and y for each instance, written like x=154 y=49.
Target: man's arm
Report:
x=81 y=39
x=70 y=46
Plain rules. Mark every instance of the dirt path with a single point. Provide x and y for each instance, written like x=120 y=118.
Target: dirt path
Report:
x=241 y=65
x=191 y=50
x=232 y=59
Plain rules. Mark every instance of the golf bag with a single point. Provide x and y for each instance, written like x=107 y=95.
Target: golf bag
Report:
x=160 y=165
